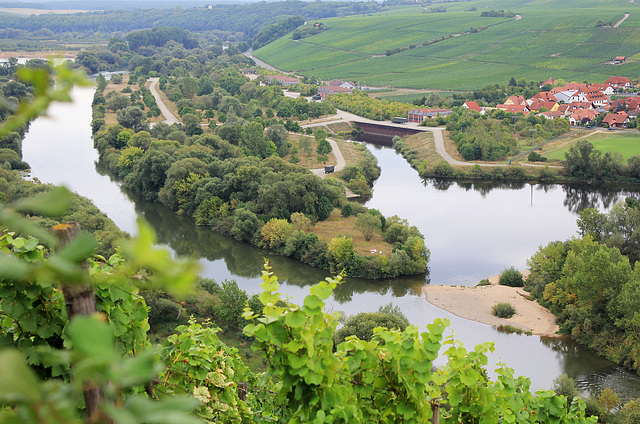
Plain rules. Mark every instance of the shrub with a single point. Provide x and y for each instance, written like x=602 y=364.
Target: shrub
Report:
x=511 y=277
x=503 y=310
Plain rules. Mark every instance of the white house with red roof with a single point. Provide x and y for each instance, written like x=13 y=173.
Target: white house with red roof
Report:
x=619 y=82
x=605 y=88
x=473 y=106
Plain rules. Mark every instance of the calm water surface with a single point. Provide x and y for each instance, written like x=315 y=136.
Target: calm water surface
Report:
x=473 y=231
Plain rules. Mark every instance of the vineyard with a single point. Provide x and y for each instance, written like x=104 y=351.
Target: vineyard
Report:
x=459 y=49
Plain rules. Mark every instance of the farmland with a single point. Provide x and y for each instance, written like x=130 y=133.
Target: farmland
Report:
x=552 y=39
x=627 y=144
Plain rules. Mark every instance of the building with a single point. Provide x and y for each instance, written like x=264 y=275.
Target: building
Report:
x=282 y=80
x=583 y=116
x=474 y=106
x=326 y=90
x=419 y=115
x=619 y=82
x=616 y=120
x=515 y=100
x=514 y=108
x=619 y=59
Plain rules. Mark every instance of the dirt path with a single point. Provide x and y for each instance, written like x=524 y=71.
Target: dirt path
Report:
x=617 y=24
x=168 y=116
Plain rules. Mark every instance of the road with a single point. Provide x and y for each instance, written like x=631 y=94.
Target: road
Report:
x=340 y=162
x=168 y=116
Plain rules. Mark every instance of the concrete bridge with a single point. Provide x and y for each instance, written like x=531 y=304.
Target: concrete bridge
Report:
x=387 y=129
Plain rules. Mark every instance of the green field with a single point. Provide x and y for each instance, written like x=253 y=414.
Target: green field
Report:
x=627 y=144
x=554 y=38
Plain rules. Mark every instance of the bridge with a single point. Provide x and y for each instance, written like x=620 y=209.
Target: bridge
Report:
x=385 y=130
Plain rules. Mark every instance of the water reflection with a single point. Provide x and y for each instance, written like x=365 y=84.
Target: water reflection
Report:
x=581 y=197
x=592 y=372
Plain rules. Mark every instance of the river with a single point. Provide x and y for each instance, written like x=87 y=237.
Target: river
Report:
x=473 y=231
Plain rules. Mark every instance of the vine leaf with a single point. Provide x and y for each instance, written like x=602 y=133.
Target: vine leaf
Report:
x=18 y=383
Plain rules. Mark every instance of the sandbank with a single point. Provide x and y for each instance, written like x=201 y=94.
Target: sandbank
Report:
x=475 y=303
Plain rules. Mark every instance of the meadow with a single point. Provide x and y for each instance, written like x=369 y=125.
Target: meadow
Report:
x=552 y=39
x=625 y=143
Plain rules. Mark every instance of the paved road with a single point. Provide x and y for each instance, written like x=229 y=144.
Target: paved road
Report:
x=168 y=116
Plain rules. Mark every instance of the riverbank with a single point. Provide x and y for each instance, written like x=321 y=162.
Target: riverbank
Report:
x=474 y=303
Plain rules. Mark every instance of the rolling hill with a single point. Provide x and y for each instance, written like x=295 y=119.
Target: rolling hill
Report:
x=460 y=49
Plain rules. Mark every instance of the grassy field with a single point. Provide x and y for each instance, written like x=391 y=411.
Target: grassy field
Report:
x=337 y=226
x=625 y=143
x=552 y=39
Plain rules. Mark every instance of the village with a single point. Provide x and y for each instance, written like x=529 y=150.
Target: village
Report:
x=611 y=104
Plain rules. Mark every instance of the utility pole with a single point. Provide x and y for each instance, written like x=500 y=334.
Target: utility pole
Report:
x=533 y=131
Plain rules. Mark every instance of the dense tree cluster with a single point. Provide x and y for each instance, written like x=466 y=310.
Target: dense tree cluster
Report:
x=591 y=285
x=494 y=136
x=583 y=161
x=244 y=20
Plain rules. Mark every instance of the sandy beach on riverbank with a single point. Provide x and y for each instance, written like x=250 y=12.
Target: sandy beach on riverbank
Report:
x=475 y=303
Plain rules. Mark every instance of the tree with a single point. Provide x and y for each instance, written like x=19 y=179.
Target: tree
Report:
x=274 y=233
x=368 y=224
x=117 y=102
x=362 y=325
x=132 y=117
x=341 y=250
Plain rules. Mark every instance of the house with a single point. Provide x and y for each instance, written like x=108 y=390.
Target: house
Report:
x=537 y=104
x=564 y=108
x=282 y=80
x=605 y=89
x=619 y=82
x=546 y=96
x=577 y=86
x=616 y=120
x=579 y=96
x=326 y=90
x=619 y=59
x=583 y=117
x=515 y=100
x=474 y=106
x=597 y=98
x=514 y=108
x=626 y=104
x=419 y=115
x=564 y=95
x=550 y=81
x=572 y=107
x=556 y=114
x=339 y=83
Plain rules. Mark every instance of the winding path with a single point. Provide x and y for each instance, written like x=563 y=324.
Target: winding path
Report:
x=169 y=117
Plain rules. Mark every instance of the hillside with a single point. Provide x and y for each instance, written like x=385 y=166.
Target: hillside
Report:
x=547 y=39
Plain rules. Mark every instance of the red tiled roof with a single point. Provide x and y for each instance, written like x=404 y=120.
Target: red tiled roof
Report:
x=618 y=80
x=615 y=118
x=473 y=106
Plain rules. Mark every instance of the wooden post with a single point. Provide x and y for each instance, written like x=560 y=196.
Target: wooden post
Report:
x=242 y=391
x=435 y=412
x=80 y=300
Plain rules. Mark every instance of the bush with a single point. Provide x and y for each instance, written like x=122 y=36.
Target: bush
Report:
x=511 y=277
x=503 y=310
